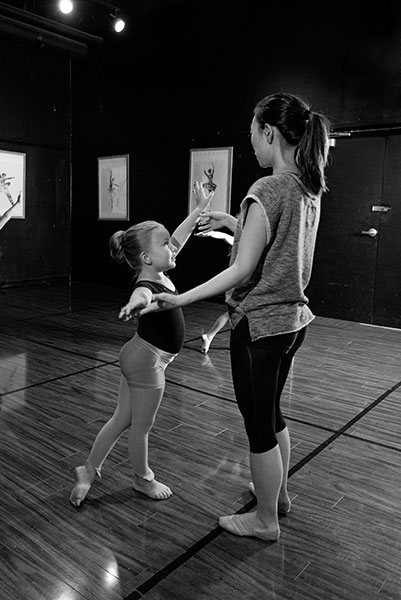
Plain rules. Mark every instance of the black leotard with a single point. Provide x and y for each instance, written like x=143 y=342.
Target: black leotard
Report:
x=164 y=329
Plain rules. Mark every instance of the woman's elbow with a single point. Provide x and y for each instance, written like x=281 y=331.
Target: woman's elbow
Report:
x=244 y=276
x=244 y=280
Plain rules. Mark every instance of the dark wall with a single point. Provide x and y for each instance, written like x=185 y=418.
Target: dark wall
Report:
x=35 y=120
x=159 y=190
x=182 y=76
x=197 y=69
x=188 y=77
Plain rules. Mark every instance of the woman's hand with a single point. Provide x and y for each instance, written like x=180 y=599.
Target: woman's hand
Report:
x=212 y=220
x=202 y=199
x=163 y=301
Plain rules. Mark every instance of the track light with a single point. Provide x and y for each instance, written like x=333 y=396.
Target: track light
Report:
x=66 y=6
x=118 y=23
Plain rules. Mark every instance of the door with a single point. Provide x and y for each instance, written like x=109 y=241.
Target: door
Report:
x=344 y=273
x=387 y=297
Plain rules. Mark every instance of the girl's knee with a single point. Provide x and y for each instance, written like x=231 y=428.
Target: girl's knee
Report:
x=120 y=422
x=142 y=427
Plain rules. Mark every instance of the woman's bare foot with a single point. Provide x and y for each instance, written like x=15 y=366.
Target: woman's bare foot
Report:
x=284 y=504
x=154 y=489
x=249 y=525
x=84 y=477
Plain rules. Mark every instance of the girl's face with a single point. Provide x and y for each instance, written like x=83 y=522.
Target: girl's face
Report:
x=161 y=251
x=260 y=144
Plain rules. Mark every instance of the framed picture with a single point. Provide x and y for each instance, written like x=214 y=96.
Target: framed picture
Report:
x=212 y=167
x=113 y=187
x=12 y=183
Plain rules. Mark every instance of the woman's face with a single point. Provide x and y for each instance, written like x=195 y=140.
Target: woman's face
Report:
x=260 y=144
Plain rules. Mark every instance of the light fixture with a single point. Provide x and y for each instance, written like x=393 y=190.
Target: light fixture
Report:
x=66 y=6
x=118 y=22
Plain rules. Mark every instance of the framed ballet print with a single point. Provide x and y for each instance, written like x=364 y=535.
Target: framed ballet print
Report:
x=212 y=167
x=113 y=174
x=12 y=183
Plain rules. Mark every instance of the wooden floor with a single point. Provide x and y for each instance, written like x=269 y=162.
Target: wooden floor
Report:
x=58 y=381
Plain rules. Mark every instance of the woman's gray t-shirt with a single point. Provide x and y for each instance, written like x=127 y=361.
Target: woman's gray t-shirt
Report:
x=274 y=299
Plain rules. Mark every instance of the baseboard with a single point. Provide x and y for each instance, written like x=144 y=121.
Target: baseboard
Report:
x=34 y=281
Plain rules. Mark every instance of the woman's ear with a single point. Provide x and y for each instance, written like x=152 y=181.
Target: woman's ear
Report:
x=269 y=133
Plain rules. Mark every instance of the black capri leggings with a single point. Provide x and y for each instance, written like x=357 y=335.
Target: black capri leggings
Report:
x=259 y=371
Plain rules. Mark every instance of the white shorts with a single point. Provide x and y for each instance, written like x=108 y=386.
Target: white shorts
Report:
x=143 y=364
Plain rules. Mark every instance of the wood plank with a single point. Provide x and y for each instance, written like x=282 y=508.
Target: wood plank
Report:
x=59 y=383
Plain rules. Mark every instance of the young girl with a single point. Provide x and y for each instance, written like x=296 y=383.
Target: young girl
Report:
x=150 y=252
x=270 y=267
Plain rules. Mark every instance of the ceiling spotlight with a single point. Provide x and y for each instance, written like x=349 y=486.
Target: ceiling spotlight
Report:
x=65 y=6
x=118 y=24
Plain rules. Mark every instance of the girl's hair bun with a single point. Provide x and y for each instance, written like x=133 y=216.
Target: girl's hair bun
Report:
x=116 y=245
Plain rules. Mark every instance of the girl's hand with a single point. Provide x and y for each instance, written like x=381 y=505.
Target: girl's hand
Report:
x=130 y=310
x=202 y=199
x=140 y=298
x=218 y=235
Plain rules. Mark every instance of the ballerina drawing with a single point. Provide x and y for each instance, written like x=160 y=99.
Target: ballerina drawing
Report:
x=113 y=188
x=210 y=185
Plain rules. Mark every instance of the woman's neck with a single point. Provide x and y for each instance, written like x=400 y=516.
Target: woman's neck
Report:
x=293 y=169
x=285 y=163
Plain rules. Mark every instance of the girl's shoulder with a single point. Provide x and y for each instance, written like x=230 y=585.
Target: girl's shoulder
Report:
x=156 y=286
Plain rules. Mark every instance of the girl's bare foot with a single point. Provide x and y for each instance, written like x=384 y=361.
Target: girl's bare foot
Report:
x=84 y=477
x=154 y=489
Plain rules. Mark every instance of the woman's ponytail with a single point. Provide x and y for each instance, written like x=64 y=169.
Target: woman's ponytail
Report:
x=312 y=152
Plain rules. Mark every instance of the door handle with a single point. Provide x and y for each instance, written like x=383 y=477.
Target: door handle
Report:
x=372 y=232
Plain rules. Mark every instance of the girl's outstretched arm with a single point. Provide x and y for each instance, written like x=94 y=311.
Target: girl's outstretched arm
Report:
x=140 y=298
x=184 y=230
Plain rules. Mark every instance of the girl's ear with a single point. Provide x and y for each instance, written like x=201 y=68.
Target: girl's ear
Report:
x=146 y=258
